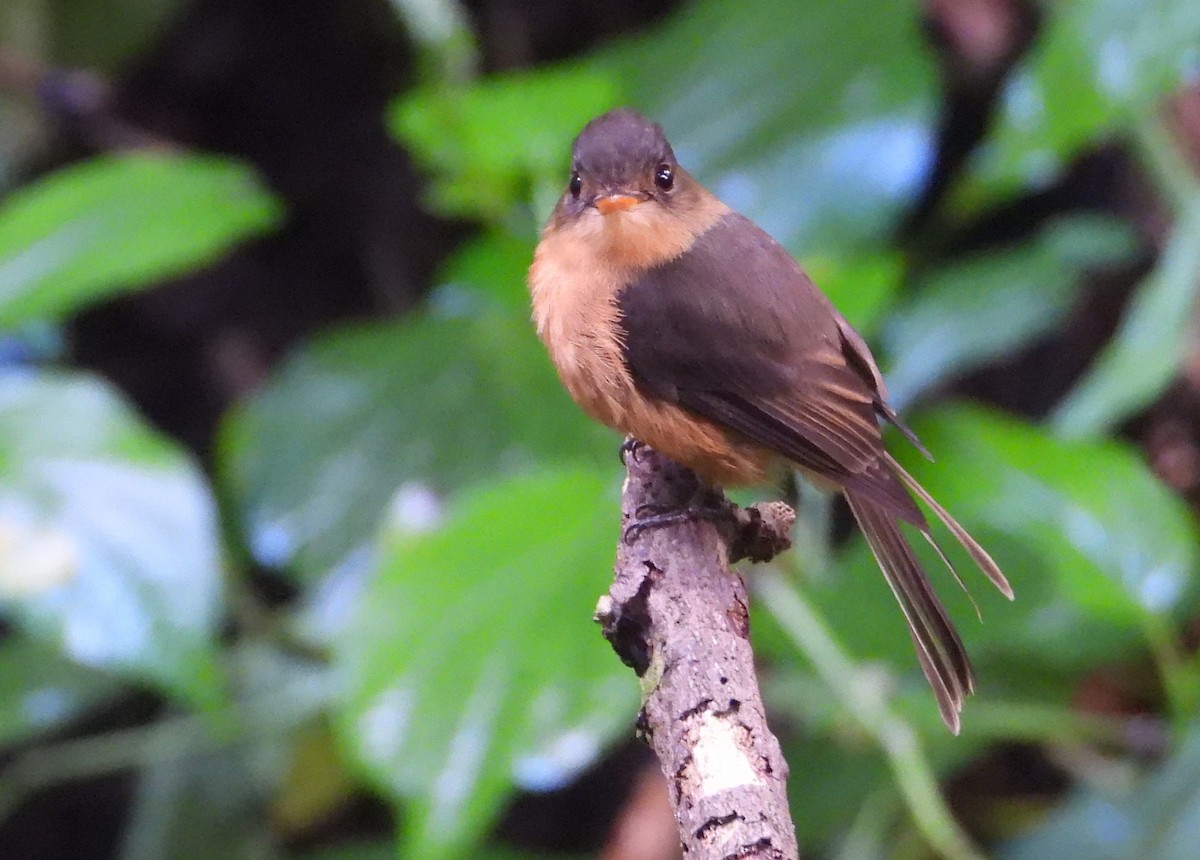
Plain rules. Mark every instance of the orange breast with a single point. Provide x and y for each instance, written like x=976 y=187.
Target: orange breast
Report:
x=575 y=310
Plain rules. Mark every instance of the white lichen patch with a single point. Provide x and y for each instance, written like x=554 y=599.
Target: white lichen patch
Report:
x=719 y=758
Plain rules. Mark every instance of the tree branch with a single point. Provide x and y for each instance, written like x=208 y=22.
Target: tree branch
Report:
x=677 y=615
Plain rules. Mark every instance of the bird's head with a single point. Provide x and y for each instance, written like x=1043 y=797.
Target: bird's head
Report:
x=628 y=205
x=621 y=163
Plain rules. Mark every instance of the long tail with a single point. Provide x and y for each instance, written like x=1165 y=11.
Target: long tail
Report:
x=940 y=651
x=990 y=569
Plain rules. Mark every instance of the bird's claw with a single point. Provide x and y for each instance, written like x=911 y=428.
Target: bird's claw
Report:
x=630 y=448
x=656 y=516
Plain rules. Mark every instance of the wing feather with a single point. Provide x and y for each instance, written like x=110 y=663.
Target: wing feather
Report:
x=734 y=331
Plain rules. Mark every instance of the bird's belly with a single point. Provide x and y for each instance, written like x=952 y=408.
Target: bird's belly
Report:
x=579 y=328
x=597 y=379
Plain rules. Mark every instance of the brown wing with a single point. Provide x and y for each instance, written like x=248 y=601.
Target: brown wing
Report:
x=858 y=355
x=735 y=331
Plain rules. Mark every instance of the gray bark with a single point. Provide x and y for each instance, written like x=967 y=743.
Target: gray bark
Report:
x=677 y=614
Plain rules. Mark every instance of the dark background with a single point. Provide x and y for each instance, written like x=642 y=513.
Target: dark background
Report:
x=299 y=537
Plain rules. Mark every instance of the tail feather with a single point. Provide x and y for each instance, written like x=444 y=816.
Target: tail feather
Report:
x=937 y=547
x=940 y=651
x=941 y=654
x=978 y=554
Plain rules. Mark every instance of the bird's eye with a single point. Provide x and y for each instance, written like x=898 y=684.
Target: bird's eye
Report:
x=664 y=177
x=576 y=185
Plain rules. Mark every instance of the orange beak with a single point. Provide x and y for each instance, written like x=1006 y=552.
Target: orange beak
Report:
x=616 y=203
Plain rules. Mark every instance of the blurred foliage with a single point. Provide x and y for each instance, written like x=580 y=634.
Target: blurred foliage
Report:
x=102 y=36
x=109 y=536
x=1126 y=816
x=488 y=143
x=114 y=223
x=471 y=602
x=1098 y=68
x=358 y=422
x=1092 y=561
x=1146 y=354
x=1024 y=292
x=446 y=517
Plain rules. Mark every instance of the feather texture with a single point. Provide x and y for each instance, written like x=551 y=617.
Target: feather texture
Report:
x=735 y=332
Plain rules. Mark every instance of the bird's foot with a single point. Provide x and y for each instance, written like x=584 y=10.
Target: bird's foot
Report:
x=631 y=448
x=711 y=507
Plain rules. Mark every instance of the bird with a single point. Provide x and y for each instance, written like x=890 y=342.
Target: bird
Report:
x=677 y=321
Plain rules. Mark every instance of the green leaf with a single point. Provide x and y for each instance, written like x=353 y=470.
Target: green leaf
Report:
x=1097 y=66
x=367 y=418
x=1089 y=539
x=117 y=223
x=492 y=145
x=980 y=309
x=108 y=536
x=826 y=161
x=1114 y=540
x=1156 y=816
x=831 y=778
x=1150 y=346
x=473 y=665
x=493 y=264
x=1032 y=648
x=861 y=286
x=43 y=691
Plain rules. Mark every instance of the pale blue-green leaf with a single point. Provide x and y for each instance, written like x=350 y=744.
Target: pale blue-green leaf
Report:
x=109 y=537
x=1148 y=349
x=1090 y=541
x=390 y=417
x=985 y=307
x=1096 y=67
x=1114 y=539
x=1155 y=816
x=828 y=160
x=119 y=222
x=474 y=666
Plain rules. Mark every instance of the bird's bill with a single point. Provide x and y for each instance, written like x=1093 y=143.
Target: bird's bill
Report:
x=616 y=203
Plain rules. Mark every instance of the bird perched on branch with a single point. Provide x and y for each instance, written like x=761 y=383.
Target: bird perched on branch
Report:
x=675 y=320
